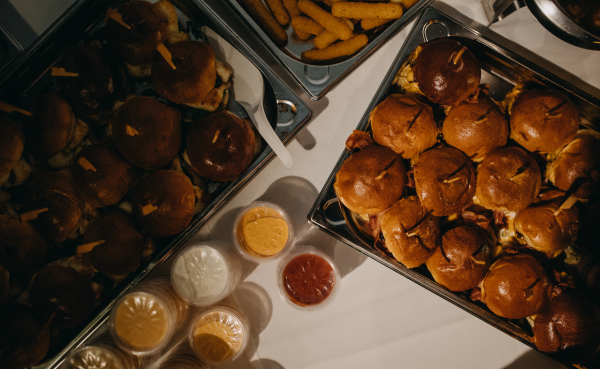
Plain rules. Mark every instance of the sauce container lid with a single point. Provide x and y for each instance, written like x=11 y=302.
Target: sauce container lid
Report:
x=96 y=356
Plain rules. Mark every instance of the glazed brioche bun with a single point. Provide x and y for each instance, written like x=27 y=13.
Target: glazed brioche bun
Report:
x=52 y=127
x=24 y=338
x=578 y=161
x=476 y=128
x=22 y=249
x=107 y=181
x=370 y=180
x=172 y=194
x=220 y=147
x=12 y=143
x=404 y=124
x=516 y=287
x=508 y=178
x=543 y=120
x=121 y=252
x=569 y=328
x=441 y=79
x=147 y=132
x=463 y=259
x=408 y=217
x=444 y=180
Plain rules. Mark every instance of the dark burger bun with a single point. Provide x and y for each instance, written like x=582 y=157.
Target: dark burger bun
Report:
x=508 y=178
x=439 y=164
x=476 y=128
x=463 y=259
x=516 y=287
x=22 y=249
x=404 y=124
x=229 y=155
x=158 y=136
x=173 y=195
x=12 y=143
x=405 y=217
x=52 y=126
x=439 y=78
x=360 y=184
x=543 y=120
x=24 y=338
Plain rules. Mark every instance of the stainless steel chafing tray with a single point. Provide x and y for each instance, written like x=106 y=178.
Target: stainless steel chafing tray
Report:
x=502 y=69
x=26 y=75
x=317 y=80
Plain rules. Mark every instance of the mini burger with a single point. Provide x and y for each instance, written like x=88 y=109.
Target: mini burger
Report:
x=198 y=80
x=508 y=179
x=24 y=338
x=463 y=258
x=542 y=120
x=147 y=132
x=220 y=147
x=14 y=169
x=370 y=180
x=576 y=167
x=516 y=287
x=404 y=124
x=163 y=203
x=445 y=180
x=476 y=128
x=22 y=249
x=410 y=233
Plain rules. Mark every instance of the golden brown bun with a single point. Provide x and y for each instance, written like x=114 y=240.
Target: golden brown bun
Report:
x=462 y=260
x=360 y=185
x=158 y=137
x=226 y=158
x=52 y=127
x=23 y=336
x=173 y=195
x=435 y=166
x=546 y=232
x=543 y=120
x=391 y=120
x=476 y=128
x=55 y=191
x=195 y=74
x=508 y=178
x=12 y=143
x=110 y=181
x=121 y=252
x=569 y=328
x=4 y=286
x=579 y=160
x=442 y=81
x=62 y=291
x=407 y=217
x=22 y=249
x=516 y=287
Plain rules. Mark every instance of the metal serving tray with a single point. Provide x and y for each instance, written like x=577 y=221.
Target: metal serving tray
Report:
x=502 y=69
x=317 y=80
x=27 y=75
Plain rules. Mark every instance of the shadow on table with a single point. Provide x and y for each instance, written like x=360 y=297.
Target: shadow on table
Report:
x=533 y=359
x=265 y=364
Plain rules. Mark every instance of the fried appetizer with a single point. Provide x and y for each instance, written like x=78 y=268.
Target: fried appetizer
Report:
x=24 y=338
x=22 y=249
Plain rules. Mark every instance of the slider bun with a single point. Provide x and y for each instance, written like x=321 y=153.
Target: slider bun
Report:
x=516 y=287
x=173 y=195
x=23 y=337
x=462 y=260
x=400 y=220
x=462 y=131
x=22 y=249
x=442 y=81
x=111 y=180
x=390 y=122
x=158 y=136
x=62 y=291
x=532 y=128
x=52 y=127
x=432 y=168
x=357 y=187
x=508 y=178
x=12 y=143
x=579 y=160
x=231 y=153
x=194 y=77
x=121 y=252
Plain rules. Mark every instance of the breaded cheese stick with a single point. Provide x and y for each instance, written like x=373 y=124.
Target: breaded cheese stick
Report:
x=331 y=23
x=266 y=21
x=307 y=25
x=369 y=23
x=336 y=50
x=279 y=11
x=366 y=10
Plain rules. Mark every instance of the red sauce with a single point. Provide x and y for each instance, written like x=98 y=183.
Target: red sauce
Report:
x=308 y=279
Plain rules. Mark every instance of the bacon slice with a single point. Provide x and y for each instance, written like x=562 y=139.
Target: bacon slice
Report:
x=358 y=139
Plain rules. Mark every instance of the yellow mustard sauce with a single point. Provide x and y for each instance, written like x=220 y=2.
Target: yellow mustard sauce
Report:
x=263 y=231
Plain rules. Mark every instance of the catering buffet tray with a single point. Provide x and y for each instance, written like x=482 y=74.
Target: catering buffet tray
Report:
x=27 y=75
x=318 y=80
x=502 y=69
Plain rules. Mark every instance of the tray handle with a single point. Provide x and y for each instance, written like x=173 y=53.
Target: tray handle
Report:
x=332 y=213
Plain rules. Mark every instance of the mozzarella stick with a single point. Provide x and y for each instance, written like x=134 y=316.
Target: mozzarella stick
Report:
x=303 y=35
x=325 y=39
x=370 y=23
x=331 y=23
x=336 y=50
x=406 y=4
x=279 y=11
x=266 y=21
x=292 y=8
x=367 y=10
x=307 y=25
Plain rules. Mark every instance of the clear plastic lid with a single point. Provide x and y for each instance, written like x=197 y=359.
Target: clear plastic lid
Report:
x=183 y=361
x=262 y=231
x=97 y=356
